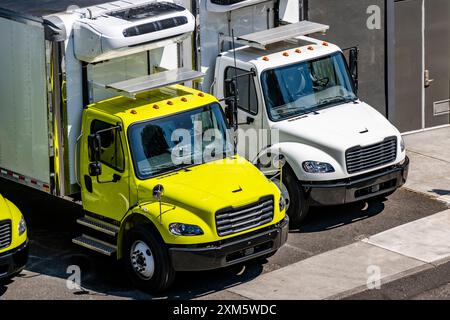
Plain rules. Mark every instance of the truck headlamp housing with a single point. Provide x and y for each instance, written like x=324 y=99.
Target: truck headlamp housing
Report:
x=402 y=144
x=282 y=203
x=181 y=229
x=22 y=226
x=317 y=167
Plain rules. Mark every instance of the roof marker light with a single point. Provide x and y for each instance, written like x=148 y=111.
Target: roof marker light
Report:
x=265 y=58
x=184 y=99
x=155 y=106
x=286 y=54
x=201 y=94
x=311 y=48
x=170 y=103
x=325 y=44
x=298 y=51
x=133 y=111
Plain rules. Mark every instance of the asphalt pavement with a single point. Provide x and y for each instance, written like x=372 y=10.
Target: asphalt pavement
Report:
x=52 y=226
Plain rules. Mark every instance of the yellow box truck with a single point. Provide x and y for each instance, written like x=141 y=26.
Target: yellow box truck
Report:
x=93 y=111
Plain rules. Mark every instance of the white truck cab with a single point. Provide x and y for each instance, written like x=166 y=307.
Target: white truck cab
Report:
x=338 y=149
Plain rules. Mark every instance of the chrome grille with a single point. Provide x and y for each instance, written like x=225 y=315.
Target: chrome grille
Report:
x=364 y=158
x=5 y=234
x=233 y=220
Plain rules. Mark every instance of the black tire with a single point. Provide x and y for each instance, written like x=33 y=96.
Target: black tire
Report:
x=298 y=206
x=163 y=275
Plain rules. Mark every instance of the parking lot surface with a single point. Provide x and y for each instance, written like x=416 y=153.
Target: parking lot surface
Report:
x=52 y=226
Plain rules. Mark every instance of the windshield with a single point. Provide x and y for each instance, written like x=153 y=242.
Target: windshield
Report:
x=306 y=87
x=179 y=141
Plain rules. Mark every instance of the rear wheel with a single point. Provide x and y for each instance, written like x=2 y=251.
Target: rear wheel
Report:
x=296 y=205
x=147 y=261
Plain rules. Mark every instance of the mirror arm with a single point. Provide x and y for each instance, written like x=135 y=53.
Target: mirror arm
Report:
x=116 y=178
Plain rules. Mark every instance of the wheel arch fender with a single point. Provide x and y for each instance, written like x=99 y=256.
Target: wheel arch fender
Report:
x=134 y=218
x=295 y=154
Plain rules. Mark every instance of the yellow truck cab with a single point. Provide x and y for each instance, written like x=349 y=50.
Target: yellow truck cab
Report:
x=96 y=115
x=156 y=200
x=13 y=240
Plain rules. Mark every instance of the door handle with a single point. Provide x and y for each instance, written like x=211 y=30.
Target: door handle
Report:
x=428 y=81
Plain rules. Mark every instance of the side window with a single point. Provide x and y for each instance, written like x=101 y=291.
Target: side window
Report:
x=248 y=100
x=112 y=150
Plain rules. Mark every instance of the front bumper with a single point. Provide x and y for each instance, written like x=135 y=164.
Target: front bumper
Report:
x=357 y=188
x=231 y=251
x=12 y=262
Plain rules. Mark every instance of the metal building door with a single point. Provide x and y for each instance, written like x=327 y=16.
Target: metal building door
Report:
x=437 y=63
x=408 y=60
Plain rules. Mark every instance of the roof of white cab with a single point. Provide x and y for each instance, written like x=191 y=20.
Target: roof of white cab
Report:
x=282 y=53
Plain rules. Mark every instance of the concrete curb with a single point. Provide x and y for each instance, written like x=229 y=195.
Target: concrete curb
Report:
x=413 y=250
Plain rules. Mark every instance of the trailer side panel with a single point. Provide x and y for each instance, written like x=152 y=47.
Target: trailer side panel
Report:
x=24 y=139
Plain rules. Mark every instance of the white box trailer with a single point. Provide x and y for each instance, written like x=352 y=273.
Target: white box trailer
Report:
x=57 y=58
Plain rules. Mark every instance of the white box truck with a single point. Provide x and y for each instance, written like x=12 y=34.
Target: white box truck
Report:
x=338 y=149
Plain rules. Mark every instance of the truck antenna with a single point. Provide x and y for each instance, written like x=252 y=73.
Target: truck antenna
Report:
x=236 y=93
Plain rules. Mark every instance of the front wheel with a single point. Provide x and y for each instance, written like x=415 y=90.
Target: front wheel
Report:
x=296 y=205
x=147 y=261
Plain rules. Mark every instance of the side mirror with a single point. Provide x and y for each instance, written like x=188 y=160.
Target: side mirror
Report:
x=95 y=147
x=158 y=192
x=353 y=65
x=231 y=103
x=95 y=169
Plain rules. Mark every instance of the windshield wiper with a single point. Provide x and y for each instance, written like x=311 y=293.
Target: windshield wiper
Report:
x=333 y=100
x=167 y=168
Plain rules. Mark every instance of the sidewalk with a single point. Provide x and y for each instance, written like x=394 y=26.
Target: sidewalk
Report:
x=429 y=153
x=419 y=246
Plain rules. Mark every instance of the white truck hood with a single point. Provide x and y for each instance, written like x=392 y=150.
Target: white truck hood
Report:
x=338 y=128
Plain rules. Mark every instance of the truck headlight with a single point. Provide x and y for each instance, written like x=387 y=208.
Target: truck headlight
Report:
x=282 y=203
x=181 y=229
x=22 y=226
x=317 y=167
x=402 y=144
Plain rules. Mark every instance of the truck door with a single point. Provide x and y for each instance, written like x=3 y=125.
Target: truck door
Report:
x=250 y=121
x=108 y=193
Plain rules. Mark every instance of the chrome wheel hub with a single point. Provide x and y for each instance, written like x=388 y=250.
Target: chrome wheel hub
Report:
x=142 y=260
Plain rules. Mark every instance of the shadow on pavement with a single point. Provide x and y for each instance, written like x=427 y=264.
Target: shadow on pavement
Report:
x=52 y=225
x=322 y=219
x=440 y=192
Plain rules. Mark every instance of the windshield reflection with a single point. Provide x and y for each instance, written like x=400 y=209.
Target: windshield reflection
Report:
x=306 y=87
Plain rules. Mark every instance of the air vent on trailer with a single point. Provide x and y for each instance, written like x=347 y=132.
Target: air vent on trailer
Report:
x=105 y=32
x=229 y=5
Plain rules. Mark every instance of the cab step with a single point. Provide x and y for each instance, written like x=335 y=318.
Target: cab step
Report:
x=95 y=244
x=99 y=225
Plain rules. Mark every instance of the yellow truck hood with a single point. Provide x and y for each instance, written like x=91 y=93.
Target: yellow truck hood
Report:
x=206 y=188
